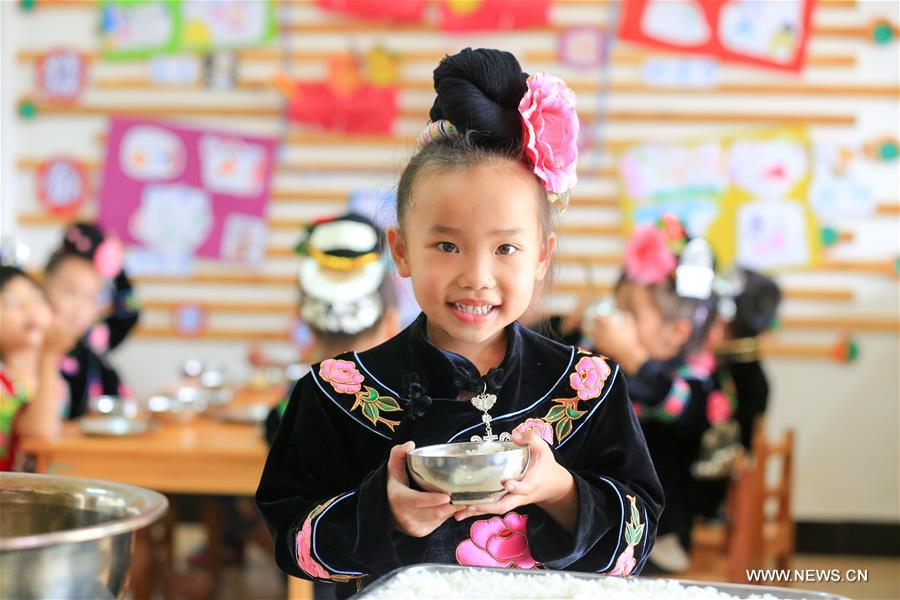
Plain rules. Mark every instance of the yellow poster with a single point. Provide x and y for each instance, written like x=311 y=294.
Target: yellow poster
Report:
x=748 y=194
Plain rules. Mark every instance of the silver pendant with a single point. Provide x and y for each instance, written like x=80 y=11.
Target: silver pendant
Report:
x=484 y=402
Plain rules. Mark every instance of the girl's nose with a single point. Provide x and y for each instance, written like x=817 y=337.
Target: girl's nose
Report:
x=477 y=273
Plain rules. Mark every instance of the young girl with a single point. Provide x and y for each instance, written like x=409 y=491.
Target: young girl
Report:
x=75 y=277
x=32 y=394
x=474 y=213
x=667 y=304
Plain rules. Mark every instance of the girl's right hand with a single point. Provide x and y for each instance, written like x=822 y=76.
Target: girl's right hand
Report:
x=58 y=339
x=415 y=513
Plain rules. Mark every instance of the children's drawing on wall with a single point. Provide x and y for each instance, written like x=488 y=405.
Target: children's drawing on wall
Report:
x=840 y=185
x=752 y=32
x=748 y=194
x=60 y=75
x=176 y=193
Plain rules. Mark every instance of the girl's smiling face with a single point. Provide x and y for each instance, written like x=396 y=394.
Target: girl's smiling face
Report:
x=473 y=244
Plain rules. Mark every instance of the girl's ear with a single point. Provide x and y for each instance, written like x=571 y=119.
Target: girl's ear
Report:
x=399 y=251
x=547 y=250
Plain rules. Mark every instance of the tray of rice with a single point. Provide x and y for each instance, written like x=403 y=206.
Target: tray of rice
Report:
x=419 y=582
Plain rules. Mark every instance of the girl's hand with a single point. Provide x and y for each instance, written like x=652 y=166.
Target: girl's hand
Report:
x=58 y=339
x=546 y=484
x=616 y=336
x=415 y=513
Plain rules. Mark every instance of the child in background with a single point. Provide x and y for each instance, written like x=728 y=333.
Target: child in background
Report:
x=33 y=396
x=74 y=281
x=752 y=306
x=475 y=211
x=667 y=304
x=346 y=296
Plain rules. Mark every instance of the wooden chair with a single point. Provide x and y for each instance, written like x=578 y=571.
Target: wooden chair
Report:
x=756 y=533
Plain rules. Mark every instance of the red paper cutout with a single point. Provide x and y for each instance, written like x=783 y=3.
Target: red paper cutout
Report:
x=62 y=186
x=762 y=34
x=409 y=11
x=60 y=75
x=460 y=16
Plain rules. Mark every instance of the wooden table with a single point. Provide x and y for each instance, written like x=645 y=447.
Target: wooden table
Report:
x=203 y=456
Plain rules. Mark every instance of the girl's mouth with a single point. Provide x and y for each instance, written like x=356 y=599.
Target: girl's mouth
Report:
x=472 y=313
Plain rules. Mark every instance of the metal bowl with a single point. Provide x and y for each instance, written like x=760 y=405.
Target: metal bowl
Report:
x=66 y=537
x=469 y=476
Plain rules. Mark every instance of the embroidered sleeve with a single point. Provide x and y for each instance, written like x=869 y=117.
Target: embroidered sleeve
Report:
x=323 y=491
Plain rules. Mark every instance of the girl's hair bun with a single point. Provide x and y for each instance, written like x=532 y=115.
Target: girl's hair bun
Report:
x=479 y=92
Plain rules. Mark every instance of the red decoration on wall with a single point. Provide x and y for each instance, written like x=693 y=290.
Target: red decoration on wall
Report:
x=461 y=16
x=62 y=186
x=60 y=75
x=762 y=34
x=409 y=11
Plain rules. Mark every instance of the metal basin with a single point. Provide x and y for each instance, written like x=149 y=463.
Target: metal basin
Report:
x=66 y=537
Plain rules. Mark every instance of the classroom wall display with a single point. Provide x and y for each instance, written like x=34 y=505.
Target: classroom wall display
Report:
x=763 y=34
x=62 y=186
x=189 y=319
x=359 y=95
x=748 y=194
x=181 y=192
x=407 y=11
x=582 y=47
x=60 y=75
x=134 y=28
x=464 y=16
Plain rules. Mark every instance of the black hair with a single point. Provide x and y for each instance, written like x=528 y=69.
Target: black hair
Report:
x=479 y=92
x=8 y=273
x=756 y=306
x=80 y=240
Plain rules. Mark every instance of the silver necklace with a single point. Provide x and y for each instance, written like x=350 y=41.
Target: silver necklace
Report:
x=485 y=402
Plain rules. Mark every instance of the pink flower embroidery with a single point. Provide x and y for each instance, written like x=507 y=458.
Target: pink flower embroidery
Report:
x=634 y=530
x=677 y=398
x=718 y=407
x=497 y=542
x=648 y=259
x=542 y=428
x=704 y=363
x=304 y=556
x=98 y=338
x=108 y=258
x=68 y=365
x=342 y=375
x=589 y=376
x=624 y=564
x=551 y=131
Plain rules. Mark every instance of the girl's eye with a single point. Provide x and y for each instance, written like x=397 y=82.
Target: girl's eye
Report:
x=507 y=249
x=448 y=247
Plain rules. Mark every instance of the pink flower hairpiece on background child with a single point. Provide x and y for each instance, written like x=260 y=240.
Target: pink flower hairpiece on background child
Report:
x=550 y=132
x=108 y=257
x=648 y=257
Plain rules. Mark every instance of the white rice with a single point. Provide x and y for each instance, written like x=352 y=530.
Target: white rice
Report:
x=480 y=583
x=486 y=448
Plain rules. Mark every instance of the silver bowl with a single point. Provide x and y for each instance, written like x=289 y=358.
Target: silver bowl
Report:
x=66 y=537
x=470 y=477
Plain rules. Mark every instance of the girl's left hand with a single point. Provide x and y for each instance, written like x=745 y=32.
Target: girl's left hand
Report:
x=545 y=482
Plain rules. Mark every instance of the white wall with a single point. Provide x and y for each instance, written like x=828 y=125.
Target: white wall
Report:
x=846 y=416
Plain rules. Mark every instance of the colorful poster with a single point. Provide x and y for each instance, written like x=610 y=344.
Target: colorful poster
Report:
x=405 y=11
x=753 y=32
x=463 y=16
x=135 y=28
x=60 y=75
x=748 y=194
x=177 y=192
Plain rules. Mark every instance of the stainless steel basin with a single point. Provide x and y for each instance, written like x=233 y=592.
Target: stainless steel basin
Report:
x=66 y=537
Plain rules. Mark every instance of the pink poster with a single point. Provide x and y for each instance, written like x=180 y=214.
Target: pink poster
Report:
x=176 y=192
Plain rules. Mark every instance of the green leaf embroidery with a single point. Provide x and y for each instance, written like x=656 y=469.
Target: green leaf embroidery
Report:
x=638 y=532
x=574 y=413
x=563 y=428
x=387 y=404
x=371 y=412
x=371 y=395
x=635 y=516
x=555 y=414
